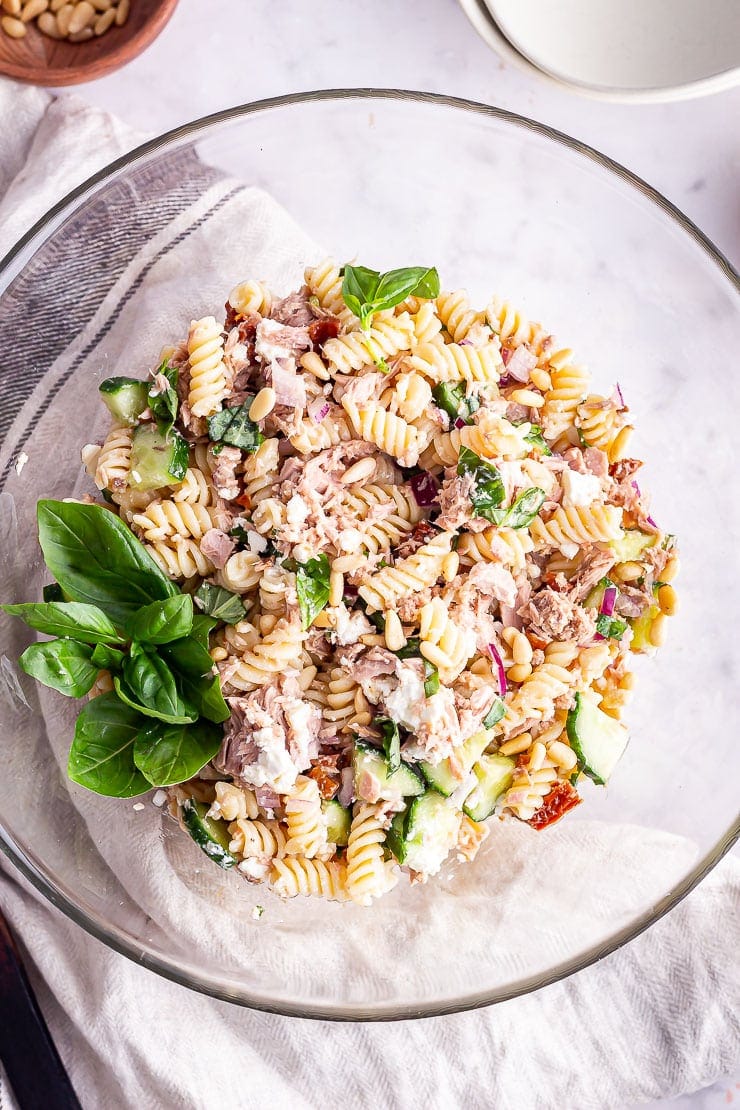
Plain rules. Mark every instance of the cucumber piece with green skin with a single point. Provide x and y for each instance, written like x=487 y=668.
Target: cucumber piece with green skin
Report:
x=430 y=833
x=156 y=459
x=494 y=774
x=641 y=626
x=596 y=738
x=631 y=544
x=594 y=597
x=393 y=785
x=211 y=836
x=440 y=775
x=125 y=398
x=338 y=821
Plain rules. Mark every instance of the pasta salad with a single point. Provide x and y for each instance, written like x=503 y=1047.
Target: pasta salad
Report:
x=363 y=579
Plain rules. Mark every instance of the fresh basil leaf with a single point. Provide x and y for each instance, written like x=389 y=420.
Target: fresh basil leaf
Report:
x=162 y=621
x=494 y=714
x=234 y=427
x=453 y=400
x=366 y=292
x=193 y=668
x=101 y=757
x=611 y=628
x=96 y=559
x=525 y=508
x=488 y=491
x=391 y=742
x=431 y=679
x=202 y=627
x=312 y=584
x=52 y=592
x=167 y=754
x=359 y=286
x=107 y=658
x=220 y=603
x=377 y=620
x=163 y=405
x=535 y=438
x=63 y=665
x=148 y=685
x=74 y=619
x=410 y=650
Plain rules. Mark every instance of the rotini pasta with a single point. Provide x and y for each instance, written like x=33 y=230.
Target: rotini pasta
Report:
x=207 y=371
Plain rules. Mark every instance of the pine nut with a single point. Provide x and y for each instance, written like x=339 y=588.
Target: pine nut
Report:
x=619 y=445
x=519 y=672
x=541 y=379
x=102 y=5
x=306 y=677
x=13 y=27
x=561 y=754
x=658 y=630
x=104 y=21
x=322 y=621
x=12 y=7
x=336 y=587
x=359 y=471
x=81 y=16
x=527 y=397
x=371 y=639
x=82 y=36
x=218 y=654
x=122 y=13
x=537 y=756
x=33 y=8
x=670 y=570
x=394 y=637
x=47 y=24
x=264 y=402
x=64 y=15
x=667 y=600
x=628 y=572
x=347 y=564
x=522 y=650
x=516 y=745
x=450 y=566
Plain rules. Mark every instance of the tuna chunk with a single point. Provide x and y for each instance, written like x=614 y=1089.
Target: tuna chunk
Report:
x=595 y=566
x=294 y=310
x=224 y=476
x=454 y=500
x=553 y=616
x=217 y=547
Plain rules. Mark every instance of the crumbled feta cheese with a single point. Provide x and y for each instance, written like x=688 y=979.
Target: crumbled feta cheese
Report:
x=579 y=489
x=255 y=869
x=348 y=627
x=138 y=806
x=159 y=798
x=350 y=540
x=256 y=543
x=512 y=476
x=299 y=715
x=302 y=553
x=265 y=347
x=296 y=510
x=273 y=766
x=409 y=706
x=570 y=550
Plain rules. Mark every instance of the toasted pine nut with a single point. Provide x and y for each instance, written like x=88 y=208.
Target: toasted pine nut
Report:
x=104 y=21
x=667 y=600
x=371 y=639
x=359 y=471
x=267 y=622
x=264 y=402
x=537 y=756
x=314 y=364
x=82 y=15
x=527 y=397
x=346 y=564
x=13 y=27
x=102 y=5
x=521 y=649
x=122 y=13
x=561 y=754
x=394 y=637
x=306 y=677
x=12 y=7
x=658 y=630
x=47 y=24
x=628 y=572
x=64 y=14
x=541 y=379
x=516 y=745
x=670 y=570
x=336 y=587
x=519 y=672
x=618 y=446
x=82 y=36
x=322 y=621
x=218 y=654
x=33 y=8
x=450 y=566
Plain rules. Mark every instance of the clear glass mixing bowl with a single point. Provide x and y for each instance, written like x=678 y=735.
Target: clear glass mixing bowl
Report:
x=497 y=203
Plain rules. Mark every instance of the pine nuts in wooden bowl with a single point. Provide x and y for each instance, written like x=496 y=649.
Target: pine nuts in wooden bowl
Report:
x=64 y=42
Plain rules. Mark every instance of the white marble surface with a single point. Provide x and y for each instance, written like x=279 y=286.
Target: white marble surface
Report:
x=213 y=55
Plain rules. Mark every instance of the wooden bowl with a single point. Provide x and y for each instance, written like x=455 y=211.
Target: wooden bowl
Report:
x=39 y=60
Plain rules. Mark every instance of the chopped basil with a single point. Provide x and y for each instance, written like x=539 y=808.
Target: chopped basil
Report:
x=488 y=490
x=366 y=292
x=391 y=742
x=234 y=427
x=525 y=508
x=535 y=438
x=431 y=679
x=452 y=399
x=611 y=628
x=220 y=603
x=163 y=405
x=312 y=585
x=494 y=714
x=377 y=620
x=410 y=650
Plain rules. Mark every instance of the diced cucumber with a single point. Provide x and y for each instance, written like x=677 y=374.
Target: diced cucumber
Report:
x=338 y=820
x=210 y=835
x=594 y=597
x=494 y=774
x=596 y=738
x=641 y=626
x=393 y=785
x=125 y=398
x=157 y=460
x=631 y=544
x=440 y=775
x=431 y=829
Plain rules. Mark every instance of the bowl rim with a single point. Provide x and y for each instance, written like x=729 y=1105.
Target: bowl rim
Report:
x=193 y=977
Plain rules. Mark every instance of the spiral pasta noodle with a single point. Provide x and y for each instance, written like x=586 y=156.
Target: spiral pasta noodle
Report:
x=207 y=370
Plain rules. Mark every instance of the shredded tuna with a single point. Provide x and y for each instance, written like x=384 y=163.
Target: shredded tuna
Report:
x=217 y=547
x=596 y=462
x=280 y=341
x=420 y=534
x=632 y=601
x=624 y=468
x=289 y=386
x=223 y=476
x=294 y=310
x=362 y=388
x=454 y=501
x=595 y=566
x=473 y=699
x=553 y=616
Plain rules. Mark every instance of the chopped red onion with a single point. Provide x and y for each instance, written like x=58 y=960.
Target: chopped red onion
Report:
x=650 y=520
x=608 y=601
x=506 y=380
x=636 y=487
x=466 y=343
x=520 y=363
x=424 y=488
x=459 y=422
x=620 y=395
x=499 y=667
x=318 y=409
x=506 y=353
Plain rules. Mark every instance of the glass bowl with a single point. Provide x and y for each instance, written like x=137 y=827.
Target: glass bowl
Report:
x=497 y=203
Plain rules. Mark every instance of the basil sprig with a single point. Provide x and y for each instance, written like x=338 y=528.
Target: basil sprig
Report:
x=453 y=400
x=159 y=725
x=312 y=586
x=233 y=427
x=366 y=292
x=218 y=602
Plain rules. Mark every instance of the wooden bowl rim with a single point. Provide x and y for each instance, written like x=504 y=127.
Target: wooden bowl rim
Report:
x=101 y=64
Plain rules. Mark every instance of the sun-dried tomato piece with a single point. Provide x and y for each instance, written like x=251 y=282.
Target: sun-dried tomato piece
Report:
x=327 y=784
x=325 y=327
x=561 y=798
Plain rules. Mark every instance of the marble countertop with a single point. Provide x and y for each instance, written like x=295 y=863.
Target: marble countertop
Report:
x=215 y=55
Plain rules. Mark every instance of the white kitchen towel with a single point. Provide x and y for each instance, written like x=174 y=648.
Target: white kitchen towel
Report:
x=658 y=1018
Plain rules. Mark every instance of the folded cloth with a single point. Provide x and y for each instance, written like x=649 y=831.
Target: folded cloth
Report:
x=660 y=1017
